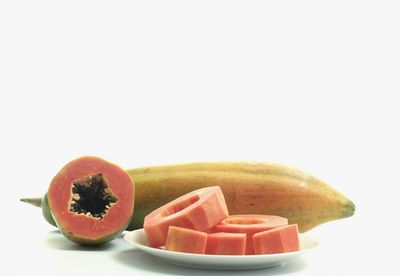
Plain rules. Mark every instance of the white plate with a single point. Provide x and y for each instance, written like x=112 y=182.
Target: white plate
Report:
x=218 y=262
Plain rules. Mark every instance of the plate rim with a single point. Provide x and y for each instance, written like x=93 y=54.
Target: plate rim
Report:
x=286 y=255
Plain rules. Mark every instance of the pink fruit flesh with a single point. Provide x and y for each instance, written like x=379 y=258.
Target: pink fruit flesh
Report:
x=226 y=244
x=186 y=240
x=278 y=240
x=249 y=224
x=199 y=210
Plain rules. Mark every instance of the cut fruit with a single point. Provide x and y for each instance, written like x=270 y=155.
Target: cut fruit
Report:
x=249 y=224
x=278 y=240
x=226 y=244
x=198 y=210
x=91 y=200
x=186 y=240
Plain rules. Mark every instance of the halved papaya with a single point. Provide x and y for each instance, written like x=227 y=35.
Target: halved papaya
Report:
x=91 y=200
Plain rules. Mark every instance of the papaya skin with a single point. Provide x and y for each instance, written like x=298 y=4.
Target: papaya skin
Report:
x=43 y=203
x=96 y=242
x=249 y=188
x=46 y=211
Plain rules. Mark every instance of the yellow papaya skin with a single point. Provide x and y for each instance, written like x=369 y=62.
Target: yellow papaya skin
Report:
x=249 y=188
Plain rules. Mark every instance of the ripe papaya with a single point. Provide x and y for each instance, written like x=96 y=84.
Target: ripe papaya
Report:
x=186 y=240
x=199 y=210
x=226 y=243
x=278 y=240
x=248 y=188
x=249 y=224
x=90 y=200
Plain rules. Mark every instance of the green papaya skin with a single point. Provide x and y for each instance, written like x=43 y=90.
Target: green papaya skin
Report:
x=43 y=203
x=95 y=243
x=46 y=211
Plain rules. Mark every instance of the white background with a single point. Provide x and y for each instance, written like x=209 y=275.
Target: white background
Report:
x=312 y=84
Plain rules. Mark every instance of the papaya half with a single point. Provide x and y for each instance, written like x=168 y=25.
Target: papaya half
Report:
x=248 y=188
x=90 y=200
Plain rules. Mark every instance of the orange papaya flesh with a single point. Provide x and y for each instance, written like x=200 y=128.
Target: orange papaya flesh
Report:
x=199 y=210
x=186 y=240
x=226 y=243
x=249 y=225
x=278 y=240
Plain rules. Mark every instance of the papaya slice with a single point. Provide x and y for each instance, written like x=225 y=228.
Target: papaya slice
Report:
x=186 y=240
x=226 y=244
x=278 y=240
x=91 y=200
x=249 y=224
x=199 y=210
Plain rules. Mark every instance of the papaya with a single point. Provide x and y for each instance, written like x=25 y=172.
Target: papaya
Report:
x=186 y=240
x=200 y=210
x=278 y=240
x=226 y=244
x=90 y=200
x=248 y=188
x=249 y=225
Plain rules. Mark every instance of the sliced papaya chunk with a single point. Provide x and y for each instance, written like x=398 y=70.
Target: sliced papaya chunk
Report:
x=249 y=224
x=226 y=244
x=278 y=240
x=186 y=240
x=199 y=210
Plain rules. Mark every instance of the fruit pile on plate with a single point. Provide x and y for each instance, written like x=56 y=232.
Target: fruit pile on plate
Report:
x=199 y=222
